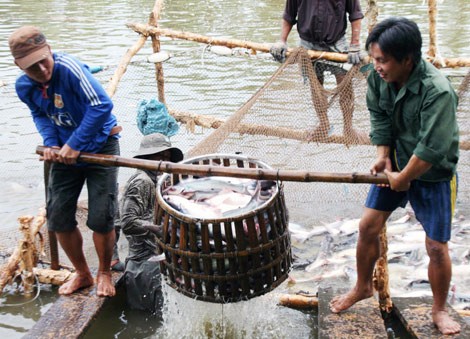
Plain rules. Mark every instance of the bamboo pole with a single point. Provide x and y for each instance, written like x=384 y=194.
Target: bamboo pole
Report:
x=153 y=20
x=371 y=14
x=297 y=301
x=432 y=12
x=208 y=170
x=231 y=43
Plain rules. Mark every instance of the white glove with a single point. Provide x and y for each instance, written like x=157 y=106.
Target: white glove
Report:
x=278 y=51
x=355 y=55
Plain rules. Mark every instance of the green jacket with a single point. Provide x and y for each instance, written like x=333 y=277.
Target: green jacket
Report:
x=418 y=119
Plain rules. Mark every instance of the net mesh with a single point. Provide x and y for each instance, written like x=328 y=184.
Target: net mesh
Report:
x=294 y=121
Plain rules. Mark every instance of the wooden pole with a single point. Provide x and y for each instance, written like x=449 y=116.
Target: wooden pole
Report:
x=208 y=170
x=53 y=245
x=231 y=43
x=371 y=14
x=153 y=20
x=432 y=12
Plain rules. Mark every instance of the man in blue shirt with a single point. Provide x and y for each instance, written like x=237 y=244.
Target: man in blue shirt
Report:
x=72 y=112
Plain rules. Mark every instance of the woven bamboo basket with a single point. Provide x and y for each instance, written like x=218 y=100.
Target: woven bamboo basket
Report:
x=230 y=259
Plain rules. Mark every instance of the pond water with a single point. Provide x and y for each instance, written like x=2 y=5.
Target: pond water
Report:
x=95 y=32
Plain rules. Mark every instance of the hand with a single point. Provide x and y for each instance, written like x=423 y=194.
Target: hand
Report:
x=355 y=55
x=49 y=154
x=67 y=155
x=395 y=183
x=155 y=229
x=278 y=51
x=381 y=164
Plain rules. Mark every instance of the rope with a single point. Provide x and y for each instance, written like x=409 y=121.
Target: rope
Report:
x=36 y=279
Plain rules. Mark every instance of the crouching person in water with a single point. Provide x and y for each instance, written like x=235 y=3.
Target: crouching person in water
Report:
x=413 y=124
x=137 y=206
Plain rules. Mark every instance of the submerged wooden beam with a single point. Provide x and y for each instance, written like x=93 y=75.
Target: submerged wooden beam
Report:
x=362 y=320
x=70 y=316
x=415 y=315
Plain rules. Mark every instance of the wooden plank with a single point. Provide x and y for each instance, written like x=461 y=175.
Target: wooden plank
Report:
x=415 y=315
x=362 y=320
x=70 y=316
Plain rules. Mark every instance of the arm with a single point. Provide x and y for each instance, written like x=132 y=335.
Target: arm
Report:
x=95 y=106
x=400 y=181
x=286 y=28
x=135 y=213
x=356 y=32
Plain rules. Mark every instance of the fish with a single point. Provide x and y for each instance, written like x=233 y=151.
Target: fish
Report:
x=191 y=208
x=299 y=234
x=220 y=50
x=158 y=57
x=324 y=253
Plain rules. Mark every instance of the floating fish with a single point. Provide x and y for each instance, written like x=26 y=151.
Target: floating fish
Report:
x=158 y=57
x=220 y=50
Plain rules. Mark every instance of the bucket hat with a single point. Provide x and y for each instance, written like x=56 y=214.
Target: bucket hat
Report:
x=156 y=143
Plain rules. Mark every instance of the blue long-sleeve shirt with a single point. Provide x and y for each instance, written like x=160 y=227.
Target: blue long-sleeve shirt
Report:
x=72 y=109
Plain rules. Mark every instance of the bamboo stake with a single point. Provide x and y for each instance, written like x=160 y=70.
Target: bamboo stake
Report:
x=432 y=12
x=207 y=170
x=153 y=20
x=371 y=14
x=297 y=301
x=231 y=43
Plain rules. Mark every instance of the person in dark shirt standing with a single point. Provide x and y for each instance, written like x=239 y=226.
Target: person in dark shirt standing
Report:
x=322 y=25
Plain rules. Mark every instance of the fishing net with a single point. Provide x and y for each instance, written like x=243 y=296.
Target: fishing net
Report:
x=294 y=122
x=291 y=122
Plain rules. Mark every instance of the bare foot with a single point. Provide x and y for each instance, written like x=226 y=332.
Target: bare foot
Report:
x=444 y=323
x=345 y=301
x=76 y=283
x=105 y=287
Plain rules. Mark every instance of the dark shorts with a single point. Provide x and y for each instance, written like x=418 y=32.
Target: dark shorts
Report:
x=66 y=183
x=432 y=202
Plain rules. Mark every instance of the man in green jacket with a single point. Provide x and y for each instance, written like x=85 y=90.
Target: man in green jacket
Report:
x=413 y=124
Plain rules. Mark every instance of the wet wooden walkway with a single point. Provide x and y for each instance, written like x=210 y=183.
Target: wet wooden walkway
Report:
x=70 y=316
x=415 y=315
x=363 y=320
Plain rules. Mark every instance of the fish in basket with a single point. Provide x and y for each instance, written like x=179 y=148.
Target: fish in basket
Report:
x=224 y=239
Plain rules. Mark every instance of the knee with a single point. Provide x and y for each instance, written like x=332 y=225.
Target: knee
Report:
x=437 y=251
x=368 y=229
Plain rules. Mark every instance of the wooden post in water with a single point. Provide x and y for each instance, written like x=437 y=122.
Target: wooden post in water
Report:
x=432 y=11
x=153 y=20
x=53 y=246
x=371 y=14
